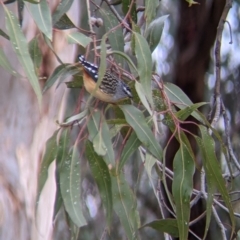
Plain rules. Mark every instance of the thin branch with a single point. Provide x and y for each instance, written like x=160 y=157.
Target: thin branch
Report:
x=219 y=223
x=217 y=99
x=229 y=144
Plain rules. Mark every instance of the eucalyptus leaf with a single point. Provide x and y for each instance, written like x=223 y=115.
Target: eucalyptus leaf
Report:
x=70 y=182
x=42 y=17
x=20 y=47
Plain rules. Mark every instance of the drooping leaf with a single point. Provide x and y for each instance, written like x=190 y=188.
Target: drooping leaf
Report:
x=42 y=17
x=164 y=225
x=62 y=8
x=20 y=47
x=144 y=66
x=182 y=187
x=75 y=118
x=130 y=147
x=150 y=10
x=137 y=121
x=140 y=91
x=184 y=113
x=125 y=205
x=179 y=98
x=49 y=156
x=70 y=182
x=154 y=32
x=94 y=124
x=102 y=177
x=125 y=7
x=35 y=53
x=213 y=171
x=78 y=38
x=115 y=37
x=60 y=71
x=64 y=23
x=63 y=147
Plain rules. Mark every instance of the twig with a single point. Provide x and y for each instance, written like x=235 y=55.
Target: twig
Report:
x=229 y=144
x=219 y=223
x=217 y=99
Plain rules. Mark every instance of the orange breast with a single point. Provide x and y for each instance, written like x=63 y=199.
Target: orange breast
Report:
x=90 y=86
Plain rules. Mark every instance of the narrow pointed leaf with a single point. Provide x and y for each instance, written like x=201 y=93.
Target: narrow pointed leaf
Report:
x=35 y=53
x=144 y=66
x=125 y=205
x=102 y=177
x=130 y=147
x=70 y=183
x=179 y=98
x=20 y=46
x=94 y=125
x=137 y=121
x=184 y=113
x=151 y=10
x=49 y=156
x=115 y=37
x=62 y=8
x=183 y=166
x=78 y=38
x=154 y=32
x=213 y=170
x=165 y=225
x=64 y=23
x=42 y=17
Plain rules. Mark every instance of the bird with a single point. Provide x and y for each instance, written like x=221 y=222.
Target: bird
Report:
x=111 y=89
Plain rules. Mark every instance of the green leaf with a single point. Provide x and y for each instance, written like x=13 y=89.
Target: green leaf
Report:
x=130 y=147
x=164 y=225
x=125 y=8
x=102 y=177
x=78 y=38
x=62 y=152
x=151 y=7
x=3 y=34
x=213 y=170
x=6 y=64
x=60 y=71
x=35 y=53
x=20 y=46
x=211 y=186
x=70 y=183
x=115 y=37
x=154 y=32
x=144 y=58
x=49 y=156
x=179 y=98
x=62 y=8
x=140 y=91
x=186 y=112
x=125 y=205
x=75 y=118
x=42 y=17
x=137 y=121
x=98 y=144
x=182 y=187
x=64 y=23
x=94 y=124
